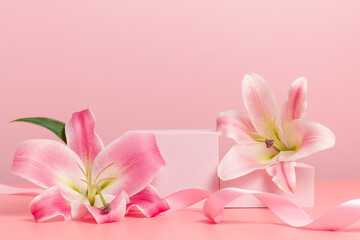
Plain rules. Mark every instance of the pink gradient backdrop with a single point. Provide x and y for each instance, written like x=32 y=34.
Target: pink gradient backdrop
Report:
x=176 y=64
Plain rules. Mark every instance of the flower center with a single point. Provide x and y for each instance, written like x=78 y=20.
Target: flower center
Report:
x=94 y=188
x=272 y=140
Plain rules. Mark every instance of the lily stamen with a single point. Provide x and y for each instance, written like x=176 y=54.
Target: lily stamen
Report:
x=107 y=206
x=82 y=170
x=272 y=131
x=103 y=171
x=93 y=188
x=269 y=143
x=105 y=179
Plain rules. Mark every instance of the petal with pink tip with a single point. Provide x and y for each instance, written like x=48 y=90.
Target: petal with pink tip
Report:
x=244 y=158
x=235 y=125
x=136 y=162
x=49 y=163
x=283 y=175
x=117 y=212
x=148 y=202
x=259 y=101
x=81 y=136
x=49 y=204
x=296 y=104
x=305 y=138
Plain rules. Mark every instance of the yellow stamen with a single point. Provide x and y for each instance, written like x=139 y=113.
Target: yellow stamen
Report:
x=105 y=179
x=82 y=170
x=103 y=171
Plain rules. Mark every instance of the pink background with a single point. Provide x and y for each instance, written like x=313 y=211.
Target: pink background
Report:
x=175 y=65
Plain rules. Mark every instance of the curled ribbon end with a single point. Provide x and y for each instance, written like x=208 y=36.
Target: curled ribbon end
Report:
x=218 y=219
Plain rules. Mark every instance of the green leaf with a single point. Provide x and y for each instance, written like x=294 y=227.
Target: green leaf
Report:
x=53 y=125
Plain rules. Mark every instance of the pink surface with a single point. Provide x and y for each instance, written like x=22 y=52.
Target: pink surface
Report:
x=191 y=158
x=168 y=65
x=259 y=180
x=247 y=223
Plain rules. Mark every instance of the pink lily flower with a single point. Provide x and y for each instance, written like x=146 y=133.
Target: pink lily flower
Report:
x=268 y=139
x=84 y=178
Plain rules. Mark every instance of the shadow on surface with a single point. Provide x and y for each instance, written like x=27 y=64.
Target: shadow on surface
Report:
x=235 y=222
x=52 y=220
x=140 y=215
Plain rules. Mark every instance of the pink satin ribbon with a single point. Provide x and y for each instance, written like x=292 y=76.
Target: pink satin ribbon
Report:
x=337 y=218
x=5 y=189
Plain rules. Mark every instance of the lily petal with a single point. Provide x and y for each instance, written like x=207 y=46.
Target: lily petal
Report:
x=48 y=163
x=49 y=204
x=148 y=202
x=81 y=137
x=136 y=162
x=79 y=210
x=296 y=104
x=244 y=158
x=234 y=125
x=307 y=137
x=79 y=205
x=117 y=213
x=283 y=175
x=259 y=101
